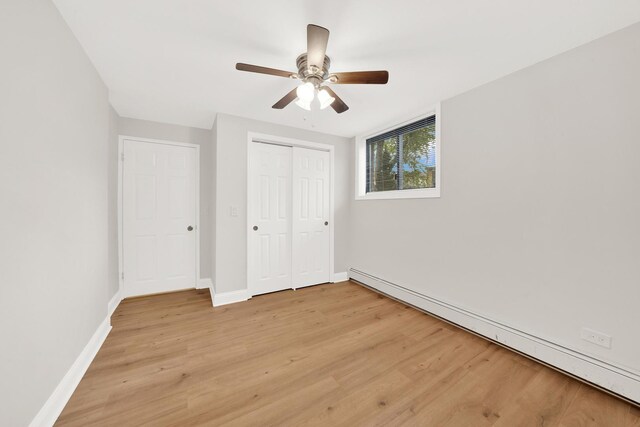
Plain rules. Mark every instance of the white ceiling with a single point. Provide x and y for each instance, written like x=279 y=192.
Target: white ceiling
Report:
x=174 y=61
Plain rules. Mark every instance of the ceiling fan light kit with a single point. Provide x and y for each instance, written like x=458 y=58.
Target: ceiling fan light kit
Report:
x=313 y=72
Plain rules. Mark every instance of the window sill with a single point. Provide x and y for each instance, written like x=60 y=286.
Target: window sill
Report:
x=423 y=193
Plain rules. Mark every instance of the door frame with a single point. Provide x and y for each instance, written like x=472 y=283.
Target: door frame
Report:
x=121 y=139
x=255 y=137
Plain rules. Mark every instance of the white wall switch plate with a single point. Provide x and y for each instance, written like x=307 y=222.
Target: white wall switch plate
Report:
x=233 y=211
x=595 y=337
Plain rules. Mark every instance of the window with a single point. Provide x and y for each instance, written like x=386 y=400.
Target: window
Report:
x=401 y=162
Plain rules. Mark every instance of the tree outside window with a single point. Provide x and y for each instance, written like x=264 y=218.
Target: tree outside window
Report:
x=403 y=159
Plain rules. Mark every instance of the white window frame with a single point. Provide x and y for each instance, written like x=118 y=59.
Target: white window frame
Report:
x=361 y=164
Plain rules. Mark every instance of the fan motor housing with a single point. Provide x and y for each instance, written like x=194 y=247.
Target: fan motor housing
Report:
x=309 y=74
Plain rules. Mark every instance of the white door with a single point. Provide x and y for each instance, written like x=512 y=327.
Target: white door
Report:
x=269 y=218
x=311 y=208
x=159 y=217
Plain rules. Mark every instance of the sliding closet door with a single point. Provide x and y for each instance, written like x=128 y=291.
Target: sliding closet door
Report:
x=311 y=208
x=269 y=218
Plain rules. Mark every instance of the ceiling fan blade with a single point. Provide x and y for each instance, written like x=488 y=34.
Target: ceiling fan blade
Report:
x=361 y=77
x=317 y=39
x=263 y=70
x=338 y=105
x=286 y=100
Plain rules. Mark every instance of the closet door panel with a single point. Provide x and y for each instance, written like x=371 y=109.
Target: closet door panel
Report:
x=310 y=221
x=269 y=219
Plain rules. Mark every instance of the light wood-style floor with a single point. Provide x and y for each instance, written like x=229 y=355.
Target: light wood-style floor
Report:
x=329 y=355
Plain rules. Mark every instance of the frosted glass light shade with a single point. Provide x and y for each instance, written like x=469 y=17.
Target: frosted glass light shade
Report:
x=325 y=99
x=304 y=105
x=306 y=92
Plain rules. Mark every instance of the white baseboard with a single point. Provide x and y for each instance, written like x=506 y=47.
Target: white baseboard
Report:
x=204 y=282
x=340 y=277
x=605 y=375
x=53 y=407
x=113 y=304
x=224 y=298
x=212 y=292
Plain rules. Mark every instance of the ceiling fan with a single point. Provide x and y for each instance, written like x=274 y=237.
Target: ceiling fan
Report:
x=313 y=72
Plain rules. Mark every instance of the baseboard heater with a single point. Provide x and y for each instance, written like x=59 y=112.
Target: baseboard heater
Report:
x=610 y=378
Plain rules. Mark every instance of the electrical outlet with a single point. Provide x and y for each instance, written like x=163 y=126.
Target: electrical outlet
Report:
x=595 y=337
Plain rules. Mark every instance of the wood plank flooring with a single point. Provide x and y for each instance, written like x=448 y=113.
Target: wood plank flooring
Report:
x=330 y=355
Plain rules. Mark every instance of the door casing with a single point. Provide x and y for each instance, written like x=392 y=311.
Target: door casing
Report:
x=254 y=137
x=121 y=140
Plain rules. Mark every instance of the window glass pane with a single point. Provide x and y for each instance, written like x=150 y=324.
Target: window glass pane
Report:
x=382 y=165
x=419 y=158
x=403 y=158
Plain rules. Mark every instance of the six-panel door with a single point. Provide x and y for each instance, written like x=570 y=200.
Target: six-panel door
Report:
x=159 y=217
x=270 y=219
x=310 y=225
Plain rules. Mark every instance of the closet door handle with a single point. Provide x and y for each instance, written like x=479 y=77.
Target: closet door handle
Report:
x=326 y=223
x=255 y=228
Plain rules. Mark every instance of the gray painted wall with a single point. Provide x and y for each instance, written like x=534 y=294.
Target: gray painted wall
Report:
x=203 y=138
x=112 y=197
x=231 y=190
x=53 y=180
x=538 y=224
x=214 y=200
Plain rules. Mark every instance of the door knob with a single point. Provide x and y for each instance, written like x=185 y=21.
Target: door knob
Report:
x=189 y=228
x=326 y=223
x=255 y=228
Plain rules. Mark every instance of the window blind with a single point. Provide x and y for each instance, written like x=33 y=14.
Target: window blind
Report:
x=404 y=129
x=402 y=158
